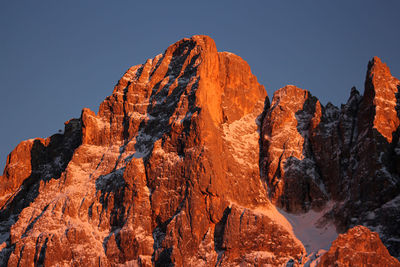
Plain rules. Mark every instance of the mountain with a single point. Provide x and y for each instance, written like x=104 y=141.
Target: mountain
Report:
x=189 y=163
x=350 y=249
x=315 y=155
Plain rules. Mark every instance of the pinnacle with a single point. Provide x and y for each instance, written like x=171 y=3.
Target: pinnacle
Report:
x=377 y=67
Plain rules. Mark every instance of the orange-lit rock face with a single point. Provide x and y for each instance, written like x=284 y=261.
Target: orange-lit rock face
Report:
x=18 y=168
x=168 y=171
x=290 y=168
x=162 y=174
x=381 y=89
x=312 y=154
x=358 y=247
x=371 y=179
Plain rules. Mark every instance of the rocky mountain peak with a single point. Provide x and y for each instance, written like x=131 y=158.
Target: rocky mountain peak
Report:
x=380 y=99
x=165 y=173
x=359 y=246
x=187 y=163
x=286 y=129
x=378 y=68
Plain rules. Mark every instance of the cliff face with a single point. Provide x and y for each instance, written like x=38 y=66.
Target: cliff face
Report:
x=185 y=163
x=315 y=154
x=166 y=172
x=288 y=162
x=358 y=247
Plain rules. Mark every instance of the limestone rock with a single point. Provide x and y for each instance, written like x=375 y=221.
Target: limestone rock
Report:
x=348 y=157
x=154 y=172
x=291 y=172
x=358 y=247
x=187 y=163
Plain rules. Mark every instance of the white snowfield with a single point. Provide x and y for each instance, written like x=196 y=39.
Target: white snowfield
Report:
x=315 y=232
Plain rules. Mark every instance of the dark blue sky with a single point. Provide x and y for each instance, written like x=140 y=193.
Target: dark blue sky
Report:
x=57 y=57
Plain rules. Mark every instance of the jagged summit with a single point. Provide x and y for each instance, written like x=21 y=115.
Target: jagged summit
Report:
x=350 y=249
x=187 y=163
x=165 y=173
x=377 y=67
x=380 y=99
x=293 y=114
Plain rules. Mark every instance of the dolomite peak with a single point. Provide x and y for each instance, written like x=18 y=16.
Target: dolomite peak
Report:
x=165 y=173
x=358 y=246
x=187 y=163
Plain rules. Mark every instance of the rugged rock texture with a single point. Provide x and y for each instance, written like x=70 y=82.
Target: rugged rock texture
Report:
x=291 y=171
x=358 y=247
x=380 y=100
x=184 y=163
x=373 y=181
x=166 y=173
x=314 y=154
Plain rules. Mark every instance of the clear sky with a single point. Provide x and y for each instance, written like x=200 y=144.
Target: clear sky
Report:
x=57 y=57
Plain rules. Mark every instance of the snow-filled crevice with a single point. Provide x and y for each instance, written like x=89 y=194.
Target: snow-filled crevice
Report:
x=313 y=229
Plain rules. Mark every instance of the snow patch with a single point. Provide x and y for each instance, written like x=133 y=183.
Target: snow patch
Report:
x=242 y=139
x=314 y=232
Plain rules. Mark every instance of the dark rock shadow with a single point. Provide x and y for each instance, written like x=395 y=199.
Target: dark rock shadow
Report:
x=371 y=180
x=47 y=163
x=113 y=185
x=219 y=232
x=163 y=104
x=261 y=157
